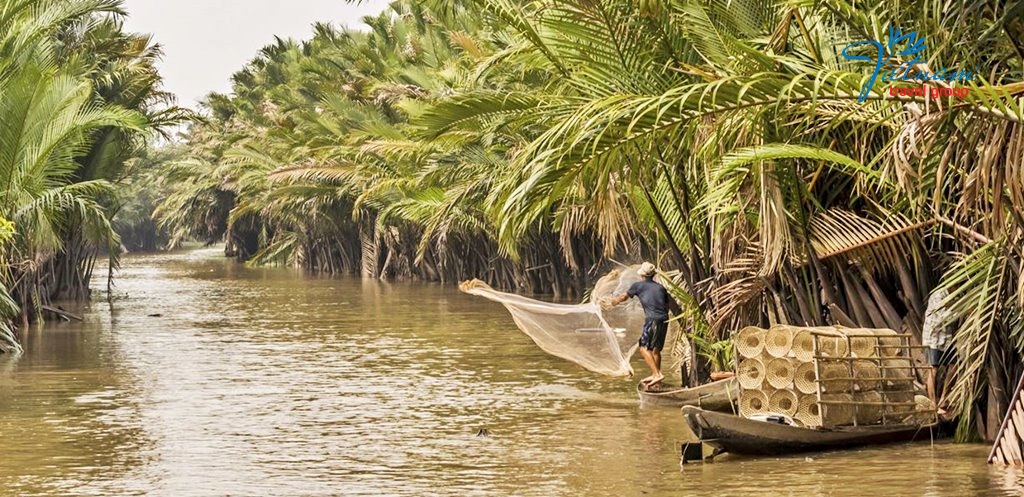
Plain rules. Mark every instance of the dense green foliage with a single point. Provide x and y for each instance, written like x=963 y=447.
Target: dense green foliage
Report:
x=77 y=99
x=8 y=307
x=316 y=160
x=527 y=142
x=465 y=138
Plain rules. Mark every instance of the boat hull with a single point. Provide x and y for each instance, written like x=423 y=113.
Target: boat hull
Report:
x=718 y=395
x=738 y=435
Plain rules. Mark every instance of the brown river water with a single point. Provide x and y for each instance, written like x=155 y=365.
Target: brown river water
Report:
x=271 y=382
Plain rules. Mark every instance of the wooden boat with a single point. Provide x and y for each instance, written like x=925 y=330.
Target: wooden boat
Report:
x=738 y=435
x=718 y=395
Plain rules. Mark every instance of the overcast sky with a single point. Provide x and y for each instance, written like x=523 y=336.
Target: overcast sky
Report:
x=206 y=41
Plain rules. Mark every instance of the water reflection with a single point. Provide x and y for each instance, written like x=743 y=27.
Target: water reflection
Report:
x=268 y=382
x=69 y=415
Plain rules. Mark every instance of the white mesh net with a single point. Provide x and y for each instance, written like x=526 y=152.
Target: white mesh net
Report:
x=599 y=340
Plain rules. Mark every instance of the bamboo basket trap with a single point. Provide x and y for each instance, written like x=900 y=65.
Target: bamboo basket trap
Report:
x=749 y=342
x=779 y=372
x=778 y=341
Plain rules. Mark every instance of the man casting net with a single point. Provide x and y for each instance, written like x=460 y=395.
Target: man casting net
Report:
x=599 y=340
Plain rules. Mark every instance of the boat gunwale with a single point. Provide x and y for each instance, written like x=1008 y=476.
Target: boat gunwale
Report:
x=755 y=437
x=719 y=395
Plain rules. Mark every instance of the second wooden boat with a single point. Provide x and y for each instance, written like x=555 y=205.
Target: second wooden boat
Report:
x=718 y=395
x=739 y=435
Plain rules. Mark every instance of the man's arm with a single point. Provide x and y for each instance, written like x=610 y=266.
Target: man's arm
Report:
x=613 y=300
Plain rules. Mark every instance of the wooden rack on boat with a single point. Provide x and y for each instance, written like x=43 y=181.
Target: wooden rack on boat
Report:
x=891 y=408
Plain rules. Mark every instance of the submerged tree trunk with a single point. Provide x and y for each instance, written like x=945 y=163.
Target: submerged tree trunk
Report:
x=70 y=271
x=997 y=399
x=369 y=244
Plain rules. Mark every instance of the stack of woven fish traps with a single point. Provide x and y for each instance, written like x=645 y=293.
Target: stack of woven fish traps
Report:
x=826 y=376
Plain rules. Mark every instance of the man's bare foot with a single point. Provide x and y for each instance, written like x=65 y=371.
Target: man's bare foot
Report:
x=653 y=379
x=647 y=381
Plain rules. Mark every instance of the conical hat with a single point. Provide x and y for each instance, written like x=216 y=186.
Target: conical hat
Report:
x=889 y=345
x=838 y=413
x=862 y=346
x=898 y=374
x=895 y=412
x=925 y=412
x=833 y=346
x=834 y=377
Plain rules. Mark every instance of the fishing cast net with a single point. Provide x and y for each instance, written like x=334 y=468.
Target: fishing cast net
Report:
x=599 y=340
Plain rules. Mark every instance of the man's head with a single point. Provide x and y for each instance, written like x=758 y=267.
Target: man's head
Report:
x=646 y=270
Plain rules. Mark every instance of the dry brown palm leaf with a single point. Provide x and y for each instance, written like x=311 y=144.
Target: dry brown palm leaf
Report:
x=870 y=243
x=731 y=241
x=741 y=285
x=775 y=235
x=574 y=220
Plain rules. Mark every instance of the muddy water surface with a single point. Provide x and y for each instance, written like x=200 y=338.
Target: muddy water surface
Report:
x=271 y=382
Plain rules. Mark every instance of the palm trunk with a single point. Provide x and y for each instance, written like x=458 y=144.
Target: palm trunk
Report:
x=369 y=243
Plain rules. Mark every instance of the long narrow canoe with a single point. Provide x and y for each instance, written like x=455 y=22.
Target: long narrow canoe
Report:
x=718 y=395
x=738 y=435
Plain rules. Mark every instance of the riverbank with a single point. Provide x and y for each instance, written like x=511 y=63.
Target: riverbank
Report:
x=271 y=382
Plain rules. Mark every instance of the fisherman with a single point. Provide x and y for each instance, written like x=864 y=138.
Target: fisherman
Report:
x=937 y=336
x=656 y=303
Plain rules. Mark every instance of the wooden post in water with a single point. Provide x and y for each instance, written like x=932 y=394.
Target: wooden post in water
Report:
x=1009 y=444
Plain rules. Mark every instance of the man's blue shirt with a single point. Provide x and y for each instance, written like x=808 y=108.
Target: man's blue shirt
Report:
x=653 y=297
